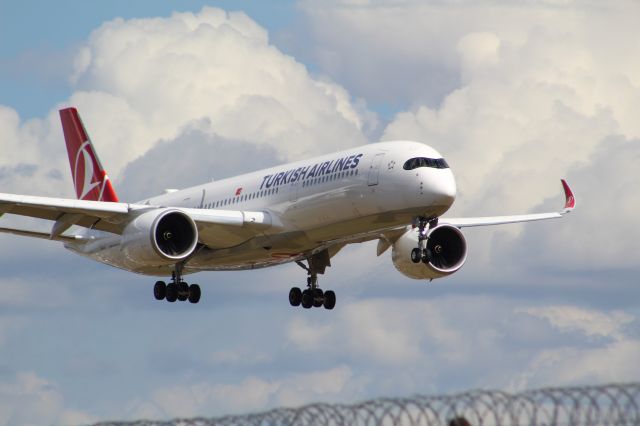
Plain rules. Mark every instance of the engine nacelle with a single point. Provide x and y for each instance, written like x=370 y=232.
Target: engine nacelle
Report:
x=159 y=237
x=447 y=249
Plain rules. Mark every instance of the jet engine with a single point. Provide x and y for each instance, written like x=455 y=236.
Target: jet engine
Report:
x=159 y=237
x=446 y=253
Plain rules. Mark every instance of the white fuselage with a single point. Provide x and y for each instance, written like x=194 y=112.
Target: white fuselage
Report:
x=318 y=201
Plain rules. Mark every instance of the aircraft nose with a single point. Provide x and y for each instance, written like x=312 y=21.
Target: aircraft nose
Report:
x=444 y=190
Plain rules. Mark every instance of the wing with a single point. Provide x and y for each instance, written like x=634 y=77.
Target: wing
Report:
x=570 y=204
x=388 y=237
x=216 y=228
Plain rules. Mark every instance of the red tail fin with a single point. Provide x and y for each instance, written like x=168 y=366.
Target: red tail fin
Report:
x=89 y=178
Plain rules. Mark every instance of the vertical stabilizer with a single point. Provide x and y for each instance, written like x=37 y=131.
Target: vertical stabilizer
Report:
x=89 y=177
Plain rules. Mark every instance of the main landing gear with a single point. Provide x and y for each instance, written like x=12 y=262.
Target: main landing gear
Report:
x=422 y=253
x=176 y=289
x=313 y=296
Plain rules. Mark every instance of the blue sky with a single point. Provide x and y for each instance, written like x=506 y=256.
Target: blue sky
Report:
x=34 y=35
x=516 y=95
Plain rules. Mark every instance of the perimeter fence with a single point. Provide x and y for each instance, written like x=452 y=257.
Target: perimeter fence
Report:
x=614 y=404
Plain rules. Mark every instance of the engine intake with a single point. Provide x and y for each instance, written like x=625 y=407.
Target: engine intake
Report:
x=446 y=253
x=175 y=235
x=159 y=237
x=446 y=249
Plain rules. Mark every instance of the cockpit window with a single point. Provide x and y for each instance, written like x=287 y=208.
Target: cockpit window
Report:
x=434 y=163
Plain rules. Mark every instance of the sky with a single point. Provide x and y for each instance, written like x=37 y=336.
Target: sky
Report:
x=515 y=94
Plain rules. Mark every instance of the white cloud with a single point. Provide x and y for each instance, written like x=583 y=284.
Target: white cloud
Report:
x=537 y=95
x=32 y=400
x=144 y=80
x=392 y=346
x=32 y=161
x=491 y=342
x=518 y=97
x=589 y=366
x=141 y=81
x=589 y=322
x=250 y=394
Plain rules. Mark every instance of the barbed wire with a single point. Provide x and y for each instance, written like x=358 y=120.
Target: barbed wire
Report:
x=613 y=404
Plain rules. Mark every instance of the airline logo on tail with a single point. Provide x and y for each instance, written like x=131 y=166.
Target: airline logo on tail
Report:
x=89 y=177
x=84 y=166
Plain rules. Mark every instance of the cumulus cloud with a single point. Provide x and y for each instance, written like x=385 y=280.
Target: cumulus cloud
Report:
x=607 y=355
x=536 y=95
x=32 y=162
x=455 y=341
x=514 y=95
x=251 y=394
x=32 y=400
x=138 y=82
x=143 y=80
x=202 y=157
x=409 y=50
x=589 y=322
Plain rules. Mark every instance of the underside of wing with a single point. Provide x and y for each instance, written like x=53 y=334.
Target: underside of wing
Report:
x=225 y=228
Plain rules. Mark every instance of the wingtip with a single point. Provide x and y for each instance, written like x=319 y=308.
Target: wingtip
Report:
x=570 y=200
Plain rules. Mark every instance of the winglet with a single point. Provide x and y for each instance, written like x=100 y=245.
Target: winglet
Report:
x=570 y=201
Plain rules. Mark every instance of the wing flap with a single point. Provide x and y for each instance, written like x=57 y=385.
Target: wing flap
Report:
x=41 y=235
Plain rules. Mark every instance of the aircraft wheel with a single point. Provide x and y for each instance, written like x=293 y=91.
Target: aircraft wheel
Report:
x=318 y=298
x=329 y=299
x=160 y=290
x=295 y=296
x=426 y=257
x=194 y=293
x=183 y=291
x=416 y=255
x=172 y=292
x=307 y=299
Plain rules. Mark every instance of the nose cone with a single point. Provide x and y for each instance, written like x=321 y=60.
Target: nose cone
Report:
x=444 y=189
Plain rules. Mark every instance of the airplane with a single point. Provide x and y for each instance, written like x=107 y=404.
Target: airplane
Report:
x=303 y=212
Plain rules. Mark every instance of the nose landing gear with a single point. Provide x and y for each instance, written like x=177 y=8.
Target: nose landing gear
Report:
x=422 y=253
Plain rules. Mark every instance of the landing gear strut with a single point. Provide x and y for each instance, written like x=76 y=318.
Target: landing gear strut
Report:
x=176 y=289
x=313 y=296
x=422 y=253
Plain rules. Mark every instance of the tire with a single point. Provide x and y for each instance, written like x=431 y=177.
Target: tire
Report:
x=194 y=293
x=172 y=293
x=183 y=291
x=307 y=299
x=160 y=290
x=295 y=296
x=318 y=298
x=416 y=256
x=329 y=299
x=426 y=257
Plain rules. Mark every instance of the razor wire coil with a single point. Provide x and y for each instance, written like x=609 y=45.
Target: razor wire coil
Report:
x=605 y=405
